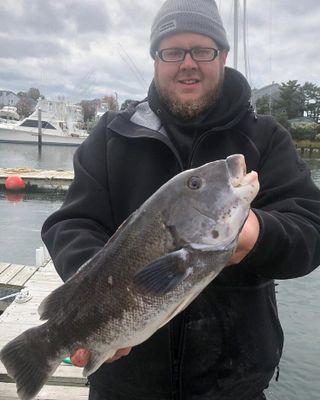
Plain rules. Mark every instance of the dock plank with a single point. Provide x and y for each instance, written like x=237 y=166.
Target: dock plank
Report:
x=8 y=392
x=23 y=276
x=3 y=267
x=9 y=273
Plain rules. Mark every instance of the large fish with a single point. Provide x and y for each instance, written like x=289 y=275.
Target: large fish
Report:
x=155 y=264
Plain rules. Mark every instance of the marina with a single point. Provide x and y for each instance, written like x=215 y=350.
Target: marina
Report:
x=67 y=382
x=53 y=122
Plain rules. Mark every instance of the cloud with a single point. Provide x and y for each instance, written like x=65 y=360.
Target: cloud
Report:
x=21 y=48
x=54 y=17
x=91 y=48
x=281 y=41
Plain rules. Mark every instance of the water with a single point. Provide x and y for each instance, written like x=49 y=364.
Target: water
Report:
x=22 y=216
x=26 y=155
x=298 y=304
x=298 y=299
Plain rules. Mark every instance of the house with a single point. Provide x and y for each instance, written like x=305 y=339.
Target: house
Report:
x=8 y=98
x=272 y=91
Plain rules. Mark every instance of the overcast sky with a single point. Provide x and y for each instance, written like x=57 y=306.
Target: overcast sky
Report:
x=85 y=49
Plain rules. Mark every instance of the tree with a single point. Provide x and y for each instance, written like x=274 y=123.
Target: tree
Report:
x=291 y=99
x=27 y=101
x=111 y=103
x=34 y=93
x=311 y=94
x=89 y=109
x=25 y=106
x=263 y=105
x=282 y=117
x=21 y=94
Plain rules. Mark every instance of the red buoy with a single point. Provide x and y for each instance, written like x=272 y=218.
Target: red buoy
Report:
x=14 y=182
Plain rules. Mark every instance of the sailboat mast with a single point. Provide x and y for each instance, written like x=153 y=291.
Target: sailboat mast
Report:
x=245 y=55
x=235 y=33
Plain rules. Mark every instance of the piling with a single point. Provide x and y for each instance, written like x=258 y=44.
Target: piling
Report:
x=39 y=131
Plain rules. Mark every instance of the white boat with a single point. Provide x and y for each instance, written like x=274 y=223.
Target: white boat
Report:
x=9 y=113
x=62 y=124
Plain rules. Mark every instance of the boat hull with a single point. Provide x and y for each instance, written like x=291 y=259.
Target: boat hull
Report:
x=25 y=137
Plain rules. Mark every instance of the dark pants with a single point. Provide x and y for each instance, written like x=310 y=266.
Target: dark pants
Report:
x=93 y=395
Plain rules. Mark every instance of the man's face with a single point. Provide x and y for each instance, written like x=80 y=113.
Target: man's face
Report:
x=189 y=87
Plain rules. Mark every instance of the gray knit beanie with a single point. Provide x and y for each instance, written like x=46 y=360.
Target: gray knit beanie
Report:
x=196 y=16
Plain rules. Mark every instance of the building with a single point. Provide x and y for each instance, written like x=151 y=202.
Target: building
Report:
x=272 y=91
x=8 y=98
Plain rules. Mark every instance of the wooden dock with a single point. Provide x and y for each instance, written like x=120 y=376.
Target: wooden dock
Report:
x=39 y=179
x=67 y=382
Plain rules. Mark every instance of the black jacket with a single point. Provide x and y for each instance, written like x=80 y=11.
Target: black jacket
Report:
x=226 y=344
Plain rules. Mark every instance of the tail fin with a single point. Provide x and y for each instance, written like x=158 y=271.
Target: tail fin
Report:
x=27 y=361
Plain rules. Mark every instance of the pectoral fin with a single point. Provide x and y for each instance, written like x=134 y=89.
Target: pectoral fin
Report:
x=164 y=274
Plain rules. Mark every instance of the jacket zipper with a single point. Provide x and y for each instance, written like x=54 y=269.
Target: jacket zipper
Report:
x=218 y=130
x=197 y=145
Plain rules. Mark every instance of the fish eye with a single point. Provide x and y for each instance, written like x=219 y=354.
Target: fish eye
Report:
x=194 y=182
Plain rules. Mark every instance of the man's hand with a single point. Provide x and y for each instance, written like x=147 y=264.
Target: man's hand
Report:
x=81 y=357
x=247 y=238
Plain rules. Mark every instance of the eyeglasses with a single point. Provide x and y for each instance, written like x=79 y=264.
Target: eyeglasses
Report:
x=200 y=54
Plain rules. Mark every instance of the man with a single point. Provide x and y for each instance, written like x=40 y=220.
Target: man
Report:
x=228 y=342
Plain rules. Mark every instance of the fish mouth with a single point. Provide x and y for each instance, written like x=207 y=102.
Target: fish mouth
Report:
x=237 y=171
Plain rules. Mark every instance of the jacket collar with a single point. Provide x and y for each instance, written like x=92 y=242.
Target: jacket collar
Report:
x=146 y=123
x=144 y=116
x=143 y=122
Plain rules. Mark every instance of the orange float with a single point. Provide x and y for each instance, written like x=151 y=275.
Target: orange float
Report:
x=14 y=182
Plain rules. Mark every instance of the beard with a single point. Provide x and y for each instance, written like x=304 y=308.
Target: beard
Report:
x=190 y=109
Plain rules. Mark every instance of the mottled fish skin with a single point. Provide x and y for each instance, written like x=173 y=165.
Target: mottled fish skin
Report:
x=156 y=263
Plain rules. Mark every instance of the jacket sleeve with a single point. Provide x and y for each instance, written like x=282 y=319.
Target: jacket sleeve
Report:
x=288 y=209
x=83 y=224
